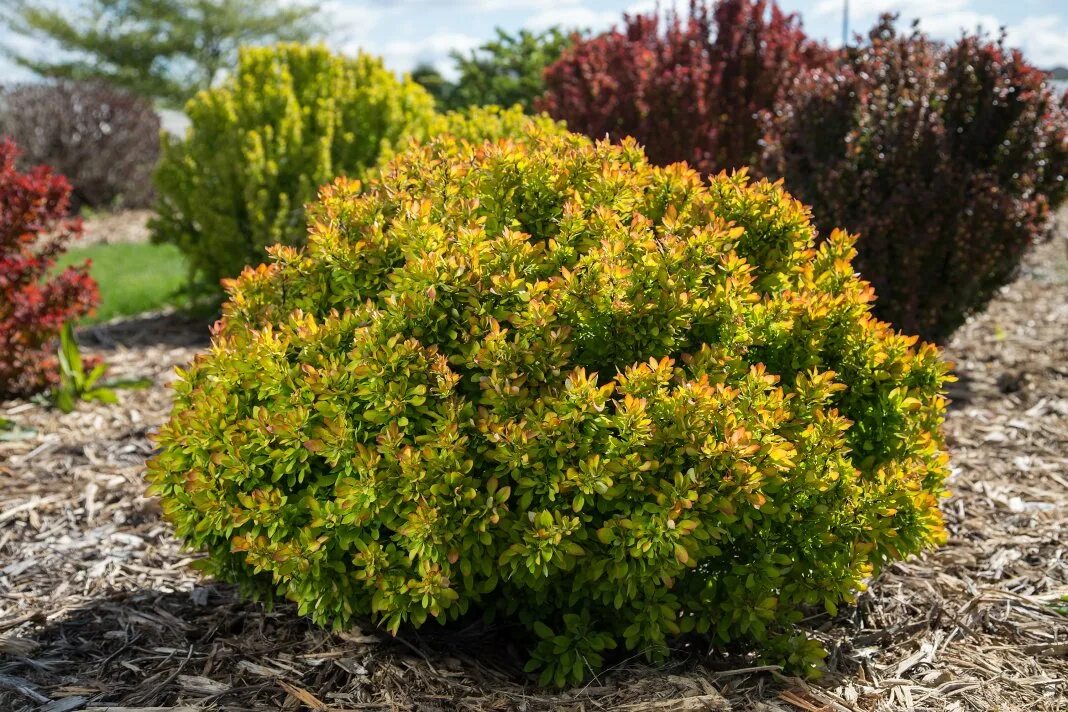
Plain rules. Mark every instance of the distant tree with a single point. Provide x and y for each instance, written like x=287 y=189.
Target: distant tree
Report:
x=508 y=70
x=434 y=82
x=164 y=49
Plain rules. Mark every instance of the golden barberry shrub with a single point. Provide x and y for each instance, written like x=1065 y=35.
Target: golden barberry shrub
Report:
x=545 y=380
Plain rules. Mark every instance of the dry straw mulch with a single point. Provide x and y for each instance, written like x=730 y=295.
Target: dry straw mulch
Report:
x=99 y=607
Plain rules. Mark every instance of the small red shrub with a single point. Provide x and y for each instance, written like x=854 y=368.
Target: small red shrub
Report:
x=34 y=303
x=947 y=160
x=691 y=92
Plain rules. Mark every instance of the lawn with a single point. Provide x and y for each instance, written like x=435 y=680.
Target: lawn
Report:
x=133 y=277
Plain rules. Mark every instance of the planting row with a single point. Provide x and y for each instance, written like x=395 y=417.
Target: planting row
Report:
x=496 y=361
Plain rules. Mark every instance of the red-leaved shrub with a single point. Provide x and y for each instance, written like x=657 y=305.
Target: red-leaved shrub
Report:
x=34 y=302
x=104 y=140
x=690 y=88
x=946 y=159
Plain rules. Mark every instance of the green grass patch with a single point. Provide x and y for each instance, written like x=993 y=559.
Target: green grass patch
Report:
x=133 y=277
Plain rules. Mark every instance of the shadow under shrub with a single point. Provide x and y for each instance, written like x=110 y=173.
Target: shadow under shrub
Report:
x=105 y=141
x=948 y=160
x=545 y=380
x=34 y=303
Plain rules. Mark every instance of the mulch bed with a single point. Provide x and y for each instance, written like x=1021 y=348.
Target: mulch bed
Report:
x=118 y=227
x=99 y=605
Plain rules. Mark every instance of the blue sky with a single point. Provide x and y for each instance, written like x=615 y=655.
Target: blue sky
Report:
x=406 y=32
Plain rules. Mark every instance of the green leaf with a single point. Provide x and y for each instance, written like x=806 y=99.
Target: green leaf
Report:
x=64 y=399
x=104 y=395
x=70 y=359
x=541 y=630
x=95 y=375
x=128 y=383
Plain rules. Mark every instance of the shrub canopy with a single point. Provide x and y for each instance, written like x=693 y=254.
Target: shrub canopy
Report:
x=105 y=141
x=507 y=70
x=688 y=88
x=947 y=160
x=290 y=119
x=35 y=300
x=544 y=379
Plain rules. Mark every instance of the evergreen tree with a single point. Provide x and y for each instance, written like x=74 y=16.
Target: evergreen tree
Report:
x=507 y=70
x=164 y=49
x=431 y=79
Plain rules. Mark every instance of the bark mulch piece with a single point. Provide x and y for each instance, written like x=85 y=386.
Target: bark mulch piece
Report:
x=100 y=607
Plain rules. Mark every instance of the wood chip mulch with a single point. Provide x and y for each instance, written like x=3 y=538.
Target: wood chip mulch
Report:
x=99 y=608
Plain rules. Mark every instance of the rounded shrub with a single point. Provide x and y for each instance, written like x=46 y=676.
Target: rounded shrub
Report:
x=36 y=297
x=689 y=86
x=491 y=123
x=291 y=118
x=546 y=380
x=477 y=124
x=104 y=140
x=948 y=160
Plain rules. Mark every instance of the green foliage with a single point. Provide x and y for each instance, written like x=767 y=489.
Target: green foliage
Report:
x=428 y=77
x=290 y=119
x=10 y=431
x=165 y=49
x=504 y=71
x=544 y=380
x=949 y=160
x=477 y=124
x=76 y=384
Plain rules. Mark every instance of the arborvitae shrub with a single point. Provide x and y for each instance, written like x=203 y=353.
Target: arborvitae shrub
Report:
x=546 y=380
x=35 y=302
x=290 y=119
x=105 y=141
x=690 y=91
x=947 y=160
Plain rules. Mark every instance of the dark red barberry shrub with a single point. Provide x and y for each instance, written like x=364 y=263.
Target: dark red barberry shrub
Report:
x=688 y=88
x=34 y=301
x=947 y=160
x=105 y=141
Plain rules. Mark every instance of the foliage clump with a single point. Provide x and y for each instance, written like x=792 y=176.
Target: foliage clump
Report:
x=477 y=124
x=104 y=140
x=688 y=88
x=947 y=159
x=290 y=118
x=545 y=380
x=159 y=49
x=35 y=301
x=505 y=71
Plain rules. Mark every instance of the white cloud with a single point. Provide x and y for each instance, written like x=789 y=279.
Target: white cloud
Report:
x=1043 y=39
x=907 y=8
x=644 y=7
x=574 y=18
x=352 y=24
x=518 y=4
x=404 y=55
x=941 y=18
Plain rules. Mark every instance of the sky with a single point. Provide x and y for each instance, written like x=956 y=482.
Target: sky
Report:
x=407 y=32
